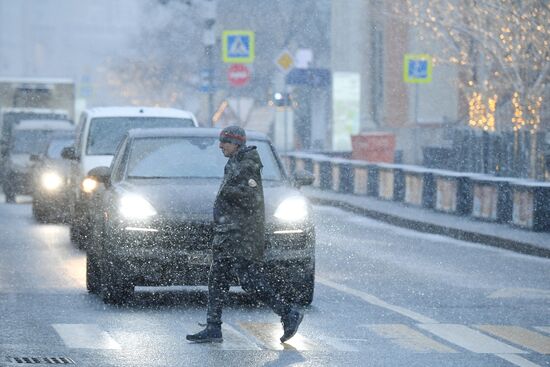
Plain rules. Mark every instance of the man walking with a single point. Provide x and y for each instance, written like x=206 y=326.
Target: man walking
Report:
x=238 y=243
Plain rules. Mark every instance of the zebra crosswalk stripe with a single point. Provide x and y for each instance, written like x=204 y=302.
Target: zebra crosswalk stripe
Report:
x=269 y=335
x=520 y=336
x=409 y=338
x=544 y=329
x=88 y=336
x=469 y=339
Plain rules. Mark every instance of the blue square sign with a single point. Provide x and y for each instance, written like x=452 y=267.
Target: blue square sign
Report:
x=238 y=47
x=417 y=68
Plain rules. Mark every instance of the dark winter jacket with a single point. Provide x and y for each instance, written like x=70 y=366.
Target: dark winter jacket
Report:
x=239 y=228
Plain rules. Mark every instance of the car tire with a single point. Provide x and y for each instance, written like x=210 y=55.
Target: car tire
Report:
x=74 y=233
x=78 y=235
x=93 y=275
x=9 y=193
x=39 y=212
x=116 y=289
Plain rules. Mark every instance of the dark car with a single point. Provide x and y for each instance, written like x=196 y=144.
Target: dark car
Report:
x=153 y=221
x=50 y=192
x=29 y=137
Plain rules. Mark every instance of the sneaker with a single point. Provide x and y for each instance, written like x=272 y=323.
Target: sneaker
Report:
x=211 y=334
x=291 y=321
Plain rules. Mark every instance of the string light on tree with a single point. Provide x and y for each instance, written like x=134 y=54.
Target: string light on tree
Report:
x=526 y=112
x=481 y=113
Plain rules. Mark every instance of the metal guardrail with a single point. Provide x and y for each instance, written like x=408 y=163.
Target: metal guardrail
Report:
x=518 y=202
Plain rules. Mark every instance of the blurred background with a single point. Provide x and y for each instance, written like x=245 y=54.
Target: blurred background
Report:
x=454 y=85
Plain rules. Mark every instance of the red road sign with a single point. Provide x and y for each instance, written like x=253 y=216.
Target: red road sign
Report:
x=238 y=75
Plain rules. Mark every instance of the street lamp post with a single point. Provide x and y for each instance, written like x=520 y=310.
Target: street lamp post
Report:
x=209 y=41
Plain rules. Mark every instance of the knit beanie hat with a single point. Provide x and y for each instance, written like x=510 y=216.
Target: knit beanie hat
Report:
x=233 y=134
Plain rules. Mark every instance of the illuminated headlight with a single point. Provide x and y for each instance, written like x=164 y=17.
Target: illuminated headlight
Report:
x=89 y=185
x=51 y=180
x=292 y=209
x=135 y=207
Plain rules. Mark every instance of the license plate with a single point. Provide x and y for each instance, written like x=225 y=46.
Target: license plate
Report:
x=199 y=259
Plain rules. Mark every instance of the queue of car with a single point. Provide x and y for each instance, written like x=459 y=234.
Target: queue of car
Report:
x=139 y=186
x=99 y=132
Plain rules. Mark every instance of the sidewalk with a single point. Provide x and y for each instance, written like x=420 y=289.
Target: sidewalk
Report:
x=427 y=220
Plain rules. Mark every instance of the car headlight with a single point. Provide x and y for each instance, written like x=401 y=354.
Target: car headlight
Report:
x=133 y=206
x=89 y=185
x=51 y=180
x=292 y=209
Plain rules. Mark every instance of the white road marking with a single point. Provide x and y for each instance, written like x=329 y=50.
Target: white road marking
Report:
x=517 y=360
x=469 y=339
x=527 y=293
x=544 y=329
x=339 y=344
x=88 y=336
x=520 y=336
x=460 y=335
x=409 y=338
x=376 y=301
x=235 y=340
x=269 y=334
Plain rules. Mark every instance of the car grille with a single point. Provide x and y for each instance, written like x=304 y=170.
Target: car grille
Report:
x=191 y=236
x=286 y=241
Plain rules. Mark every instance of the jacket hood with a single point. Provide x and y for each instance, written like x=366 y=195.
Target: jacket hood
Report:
x=249 y=153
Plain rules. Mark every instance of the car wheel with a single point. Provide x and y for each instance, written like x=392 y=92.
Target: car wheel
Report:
x=9 y=193
x=93 y=275
x=79 y=235
x=74 y=233
x=38 y=212
x=116 y=289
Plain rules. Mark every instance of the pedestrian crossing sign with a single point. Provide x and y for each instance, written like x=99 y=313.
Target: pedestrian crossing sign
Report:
x=417 y=68
x=238 y=47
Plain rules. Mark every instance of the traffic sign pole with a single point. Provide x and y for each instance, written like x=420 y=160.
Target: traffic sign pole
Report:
x=417 y=69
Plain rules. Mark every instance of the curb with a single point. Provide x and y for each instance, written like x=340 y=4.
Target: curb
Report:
x=459 y=234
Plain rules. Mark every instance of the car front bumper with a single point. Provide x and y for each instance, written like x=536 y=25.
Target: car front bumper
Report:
x=153 y=258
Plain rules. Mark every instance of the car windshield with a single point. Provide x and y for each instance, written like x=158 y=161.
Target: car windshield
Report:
x=107 y=132
x=178 y=157
x=32 y=141
x=56 y=146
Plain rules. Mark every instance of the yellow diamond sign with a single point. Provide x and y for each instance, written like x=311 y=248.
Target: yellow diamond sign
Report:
x=284 y=61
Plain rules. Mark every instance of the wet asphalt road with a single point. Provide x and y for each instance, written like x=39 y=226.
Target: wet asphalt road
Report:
x=385 y=296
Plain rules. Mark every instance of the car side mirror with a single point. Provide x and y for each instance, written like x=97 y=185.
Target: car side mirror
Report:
x=101 y=174
x=302 y=178
x=69 y=153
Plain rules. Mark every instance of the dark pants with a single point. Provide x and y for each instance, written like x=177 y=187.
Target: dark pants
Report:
x=252 y=279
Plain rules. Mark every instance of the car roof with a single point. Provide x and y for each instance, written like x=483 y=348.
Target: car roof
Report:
x=34 y=110
x=44 y=125
x=202 y=132
x=37 y=80
x=132 y=111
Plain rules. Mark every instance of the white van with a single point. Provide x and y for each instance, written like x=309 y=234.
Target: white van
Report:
x=98 y=134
